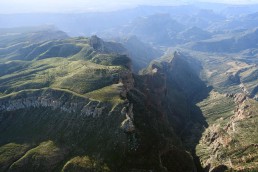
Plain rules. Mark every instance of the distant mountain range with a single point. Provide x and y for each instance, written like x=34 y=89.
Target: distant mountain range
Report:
x=200 y=15
x=152 y=88
x=238 y=42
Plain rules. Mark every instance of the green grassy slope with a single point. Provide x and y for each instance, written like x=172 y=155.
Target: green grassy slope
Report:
x=21 y=40
x=73 y=72
x=72 y=64
x=46 y=140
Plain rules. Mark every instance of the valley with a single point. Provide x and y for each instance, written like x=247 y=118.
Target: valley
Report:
x=160 y=88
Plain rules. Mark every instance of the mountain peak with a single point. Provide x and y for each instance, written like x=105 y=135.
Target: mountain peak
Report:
x=97 y=43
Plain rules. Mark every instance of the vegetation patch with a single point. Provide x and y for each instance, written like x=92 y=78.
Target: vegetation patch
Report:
x=10 y=153
x=41 y=158
x=109 y=94
x=84 y=163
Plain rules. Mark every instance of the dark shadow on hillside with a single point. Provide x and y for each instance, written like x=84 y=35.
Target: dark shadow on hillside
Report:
x=193 y=131
x=175 y=89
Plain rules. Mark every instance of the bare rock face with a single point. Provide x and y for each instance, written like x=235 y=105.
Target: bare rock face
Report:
x=127 y=125
x=83 y=106
x=242 y=109
x=211 y=136
x=239 y=98
x=215 y=138
x=229 y=95
x=93 y=108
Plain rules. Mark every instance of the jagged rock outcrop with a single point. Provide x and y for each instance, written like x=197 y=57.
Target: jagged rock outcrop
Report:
x=127 y=125
x=97 y=43
x=244 y=89
x=239 y=98
x=225 y=140
x=159 y=97
x=173 y=73
x=241 y=111
x=103 y=47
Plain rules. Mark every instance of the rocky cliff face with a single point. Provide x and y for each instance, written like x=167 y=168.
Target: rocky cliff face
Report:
x=229 y=141
x=242 y=111
x=50 y=98
x=58 y=99
x=176 y=84
x=161 y=110
x=127 y=125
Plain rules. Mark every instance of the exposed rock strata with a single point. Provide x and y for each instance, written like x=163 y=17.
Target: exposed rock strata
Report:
x=50 y=99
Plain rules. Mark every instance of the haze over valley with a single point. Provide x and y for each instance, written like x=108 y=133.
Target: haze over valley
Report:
x=129 y=86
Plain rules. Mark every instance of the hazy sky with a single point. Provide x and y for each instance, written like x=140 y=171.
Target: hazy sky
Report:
x=20 y=6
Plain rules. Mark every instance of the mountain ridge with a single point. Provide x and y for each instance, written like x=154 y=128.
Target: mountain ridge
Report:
x=118 y=125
